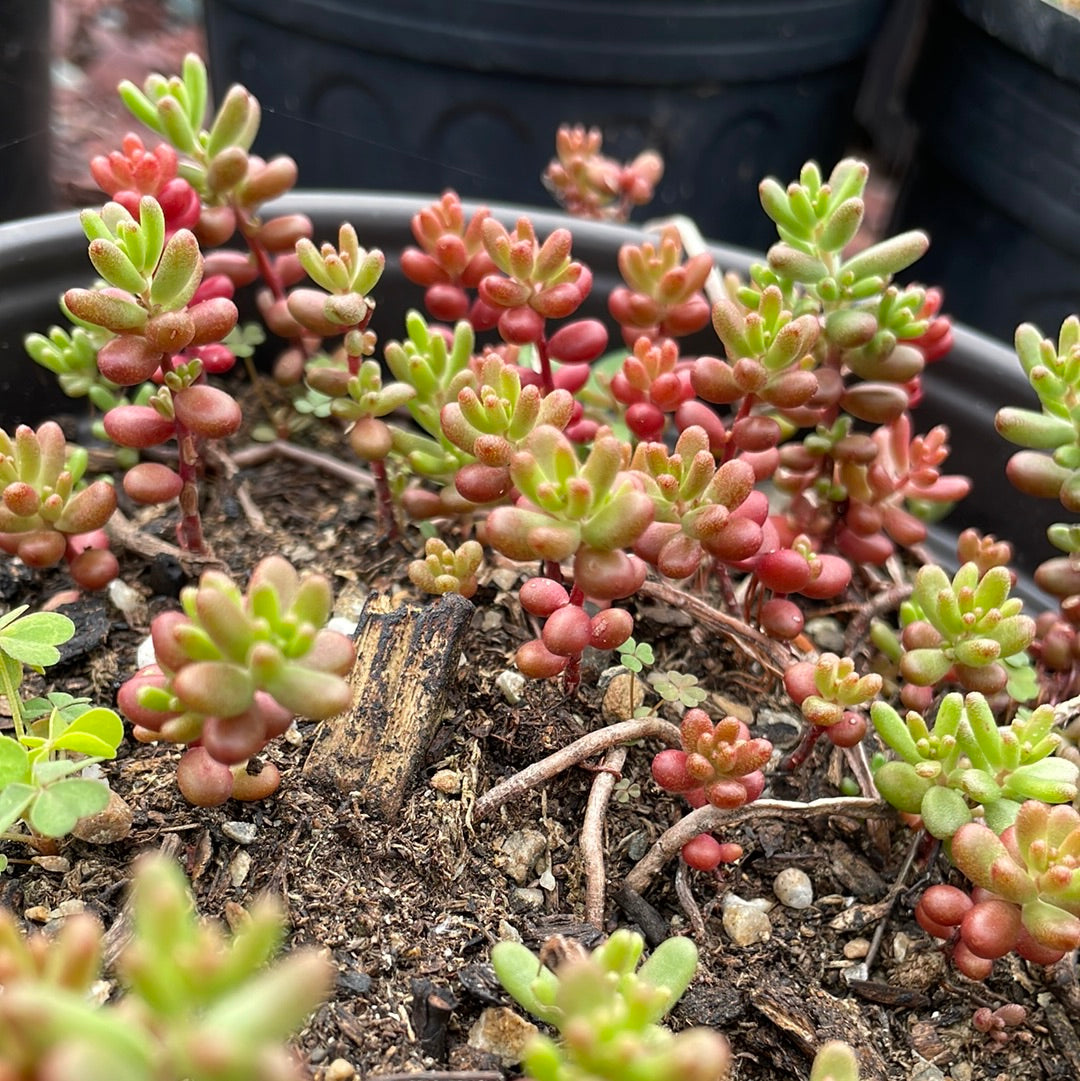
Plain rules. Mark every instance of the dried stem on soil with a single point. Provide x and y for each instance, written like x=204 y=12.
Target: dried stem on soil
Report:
x=769 y=654
x=887 y=601
x=592 y=835
x=587 y=746
x=708 y=818
x=257 y=453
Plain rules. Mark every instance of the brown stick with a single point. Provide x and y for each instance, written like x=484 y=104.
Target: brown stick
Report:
x=885 y=601
x=586 y=747
x=257 y=453
x=592 y=835
x=771 y=655
x=708 y=818
x=124 y=532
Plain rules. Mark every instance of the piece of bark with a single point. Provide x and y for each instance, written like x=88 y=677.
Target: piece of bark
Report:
x=430 y=1016
x=405 y=659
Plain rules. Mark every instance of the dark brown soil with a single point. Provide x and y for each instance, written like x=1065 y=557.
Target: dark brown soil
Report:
x=424 y=897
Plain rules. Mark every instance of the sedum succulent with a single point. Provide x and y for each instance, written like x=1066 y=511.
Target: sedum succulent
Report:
x=1034 y=864
x=966 y=758
x=967 y=627
x=607 y=1011
x=199 y=1005
x=233 y=669
x=44 y=510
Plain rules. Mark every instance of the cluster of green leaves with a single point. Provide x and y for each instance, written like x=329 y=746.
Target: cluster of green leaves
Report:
x=607 y=1012
x=55 y=739
x=607 y=1009
x=965 y=759
x=198 y=1005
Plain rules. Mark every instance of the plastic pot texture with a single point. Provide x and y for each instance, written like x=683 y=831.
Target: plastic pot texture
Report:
x=420 y=95
x=24 y=121
x=40 y=257
x=996 y=176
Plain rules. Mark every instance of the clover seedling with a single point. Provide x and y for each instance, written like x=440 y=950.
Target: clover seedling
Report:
x=37 y=773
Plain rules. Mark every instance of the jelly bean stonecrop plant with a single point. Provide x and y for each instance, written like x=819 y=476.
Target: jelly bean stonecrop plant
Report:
x=233 y=669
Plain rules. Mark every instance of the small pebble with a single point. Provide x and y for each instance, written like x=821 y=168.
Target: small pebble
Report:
x=130 y=601
x=502 y=1032
x=525 y=899
x=519 y=852
x=624 y=694
x=826 y=633
x=293 y=736
x=71 y=907
x=793 y=888
x=243 y=833
x=856 y=949
x=339 y=1070
x=239 y=866
x=447 y=781
x=856 y=973
x=108 y=826
x=901 y=944
x=36 y=914
x=512 y=685
x=145 y=654
x=746 y=922
x=342 y=625
x=505 y=578
x=508 y=931
x=236 y=916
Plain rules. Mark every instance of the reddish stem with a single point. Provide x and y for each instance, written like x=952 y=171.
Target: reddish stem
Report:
x=545 y=365
x=189 y=534
x=385 y=501
x=801 y=753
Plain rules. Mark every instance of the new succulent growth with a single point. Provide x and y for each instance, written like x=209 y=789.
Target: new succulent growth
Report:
x=607 y=1010
x=46 y=513
x=198 y=1004
x=233 y=670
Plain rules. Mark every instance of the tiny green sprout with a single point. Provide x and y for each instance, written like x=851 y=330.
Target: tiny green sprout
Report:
x=38 y=778
x=966 y=626
x=965 y=758
x=634 y=655
x=447 y=570
x=680 y=687
x=199 y=1004
x=625 y=790
x=607 y=1011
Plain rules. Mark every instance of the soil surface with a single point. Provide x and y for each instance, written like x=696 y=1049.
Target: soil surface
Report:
x=409 y=908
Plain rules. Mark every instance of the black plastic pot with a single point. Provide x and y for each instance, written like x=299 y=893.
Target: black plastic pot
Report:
x=420 y=95
x=24 y=121
x=41 y=257
x=996 y=176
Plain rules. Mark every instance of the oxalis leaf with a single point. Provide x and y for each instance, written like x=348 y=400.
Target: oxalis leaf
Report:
x=14 y=762
x=33 y=639
x=14 y=800
x=60 y=806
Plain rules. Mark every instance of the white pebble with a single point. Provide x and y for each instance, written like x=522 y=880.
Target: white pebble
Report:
x=793 y=888
x=512 y=685
x=241 y=832
x=746 y=922
x=145 y=654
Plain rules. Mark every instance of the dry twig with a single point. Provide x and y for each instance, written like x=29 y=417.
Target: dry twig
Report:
x=592 y=835
x=587 y=746
x=708 y=818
